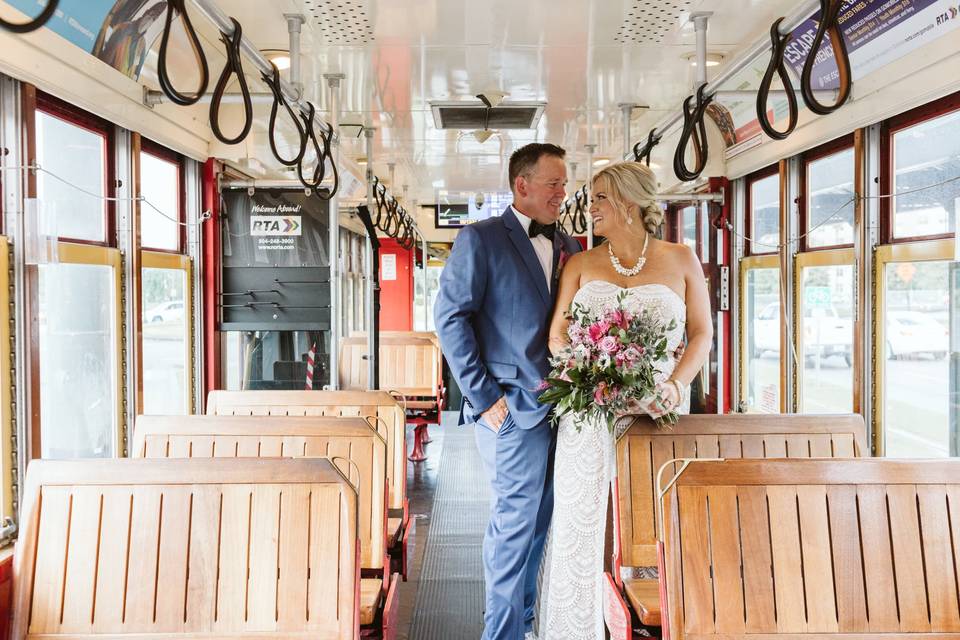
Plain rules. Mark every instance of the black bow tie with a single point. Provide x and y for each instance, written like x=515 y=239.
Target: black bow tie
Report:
x=545 y=230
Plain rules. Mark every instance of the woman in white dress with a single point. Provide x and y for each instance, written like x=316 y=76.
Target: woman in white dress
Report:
x=658 y=275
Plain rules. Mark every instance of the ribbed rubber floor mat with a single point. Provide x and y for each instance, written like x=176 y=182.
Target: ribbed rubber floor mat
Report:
x=449 y=602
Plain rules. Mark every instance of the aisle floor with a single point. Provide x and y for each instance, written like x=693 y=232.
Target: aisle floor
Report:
x=449 y=503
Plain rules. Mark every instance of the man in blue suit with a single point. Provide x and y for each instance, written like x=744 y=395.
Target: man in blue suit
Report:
x=492 y=313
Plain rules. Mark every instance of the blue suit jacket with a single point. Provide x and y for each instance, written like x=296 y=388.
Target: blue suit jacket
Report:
x=492 y=316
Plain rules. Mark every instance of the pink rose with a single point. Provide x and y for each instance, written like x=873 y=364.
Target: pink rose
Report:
x=543 y=386
x=598 y=394
x=609 y=345
x=631 y=354
x=619 y=319
x=597 y=330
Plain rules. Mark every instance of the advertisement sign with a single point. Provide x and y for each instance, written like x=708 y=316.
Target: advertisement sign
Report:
x=118 y=32
x=275 y=228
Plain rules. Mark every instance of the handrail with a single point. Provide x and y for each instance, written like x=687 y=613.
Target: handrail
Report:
x=233 y=65
x=163 y=75
x=777 y=66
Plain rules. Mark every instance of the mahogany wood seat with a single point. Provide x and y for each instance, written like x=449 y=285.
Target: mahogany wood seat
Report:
x=644 y=448
x=812 y=549
x=379 y=408
x=217 y=548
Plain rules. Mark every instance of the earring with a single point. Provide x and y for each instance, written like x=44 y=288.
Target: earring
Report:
x=629 y=219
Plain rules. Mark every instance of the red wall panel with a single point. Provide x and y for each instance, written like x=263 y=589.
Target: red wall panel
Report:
x=396 y=294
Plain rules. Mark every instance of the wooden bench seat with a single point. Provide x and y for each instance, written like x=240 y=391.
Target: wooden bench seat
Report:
x=823 y=549
x=218 y=548
x=379 y=408
x=644 y=448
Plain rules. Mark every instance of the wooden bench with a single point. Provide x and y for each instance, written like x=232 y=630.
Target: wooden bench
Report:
x=644 y=448
x=813 y=549
x=379 y=408
x=187 y=548
x=411 y=366
x=358 y=452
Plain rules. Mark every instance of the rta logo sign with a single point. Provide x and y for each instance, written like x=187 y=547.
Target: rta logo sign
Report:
x=275 y=225
x=950 y=14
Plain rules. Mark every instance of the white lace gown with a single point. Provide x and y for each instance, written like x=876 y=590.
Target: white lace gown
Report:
x=571 y=589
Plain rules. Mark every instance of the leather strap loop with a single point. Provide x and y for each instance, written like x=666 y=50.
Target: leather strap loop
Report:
x=234 y=64
x=278 y=101
x=328 y=155
x=653 y=139
x=779 y=67
x=829 y=11
x=34 y=24
x=163 y=75
x=310 y=135
x=695 y=130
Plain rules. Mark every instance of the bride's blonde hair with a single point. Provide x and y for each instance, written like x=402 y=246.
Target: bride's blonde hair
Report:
x=631 y=183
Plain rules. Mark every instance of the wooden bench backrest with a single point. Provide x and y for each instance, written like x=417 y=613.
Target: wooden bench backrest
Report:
x=186 y=548
x=829 y=547
x=343 y=440
x=409 y=365
x=644 y=448
x=378 y=407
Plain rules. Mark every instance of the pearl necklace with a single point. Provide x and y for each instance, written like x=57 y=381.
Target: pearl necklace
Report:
x=619 y=268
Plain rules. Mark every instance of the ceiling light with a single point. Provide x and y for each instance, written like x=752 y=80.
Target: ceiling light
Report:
x=362 y=160
x=713 y=59
x=279 y=57
x=601 y=162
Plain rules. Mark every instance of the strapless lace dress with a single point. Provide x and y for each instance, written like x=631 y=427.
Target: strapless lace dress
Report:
x=571 y=587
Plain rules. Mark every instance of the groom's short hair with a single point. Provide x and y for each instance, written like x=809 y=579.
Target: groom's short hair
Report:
x=524 y=159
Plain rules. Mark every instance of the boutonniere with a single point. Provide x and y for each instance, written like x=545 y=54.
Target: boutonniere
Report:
x=562 y=260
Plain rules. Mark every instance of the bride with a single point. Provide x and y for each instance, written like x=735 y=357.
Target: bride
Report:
x=657 y=275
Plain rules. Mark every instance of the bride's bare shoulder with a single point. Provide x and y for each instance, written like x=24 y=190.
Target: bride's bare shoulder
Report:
x=679 y=254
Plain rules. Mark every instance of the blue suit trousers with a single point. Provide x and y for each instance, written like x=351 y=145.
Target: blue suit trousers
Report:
x=519 y=466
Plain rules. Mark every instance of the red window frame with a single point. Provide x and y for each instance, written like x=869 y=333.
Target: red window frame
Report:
x=757 y=176
x=806 y=158
x=71 y=114
x=888 y=128
x=168 y=155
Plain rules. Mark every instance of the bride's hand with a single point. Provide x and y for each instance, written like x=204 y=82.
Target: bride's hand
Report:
x=668 y=399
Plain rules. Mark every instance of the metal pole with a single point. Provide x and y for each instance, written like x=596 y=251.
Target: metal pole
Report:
x=152 y=98
x=373 y=283
x=689 y=197
x=294 y=24
x=627 y=110
x=222 y=22
x=590 y=149
x=426 y=286
x=700 y=27
x=761 y=47
x=333 y=205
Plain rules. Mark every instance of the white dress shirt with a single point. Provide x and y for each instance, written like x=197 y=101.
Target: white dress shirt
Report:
x=541 y=245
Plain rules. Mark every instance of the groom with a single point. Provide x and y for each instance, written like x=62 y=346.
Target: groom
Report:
x=492 y=312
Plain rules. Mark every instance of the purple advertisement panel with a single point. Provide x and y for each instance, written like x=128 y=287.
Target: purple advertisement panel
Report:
x=875 y=32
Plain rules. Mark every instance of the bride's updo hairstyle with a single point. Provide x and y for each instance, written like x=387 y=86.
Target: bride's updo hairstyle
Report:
x=629 y=184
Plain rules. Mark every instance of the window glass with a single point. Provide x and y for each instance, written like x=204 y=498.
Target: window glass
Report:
x=689 y=219
x=276 y=359
x=705 y=230
x=166 y=379
x=826 y=339
x=78 y=356
x=924 y=155
x=77 y=156
x=762 y=337
x=829 y=197
x=160 y=186
x=917 y=371
x=765 y=214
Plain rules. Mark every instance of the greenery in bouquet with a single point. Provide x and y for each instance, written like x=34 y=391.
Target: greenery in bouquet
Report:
x=608 y=369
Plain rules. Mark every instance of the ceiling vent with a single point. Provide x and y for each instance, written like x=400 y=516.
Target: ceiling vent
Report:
x=650 y=21
x=460 y=115
x=340 y=21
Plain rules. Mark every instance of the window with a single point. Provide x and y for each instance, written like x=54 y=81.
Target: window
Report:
x=761 y=335
x=688 y=220
x=71 y=153
x=7 y=463
x=161 y=211
x=829 y=198
x=925 y=154
x=79 y=336
x=167 y=316
x=764 y=214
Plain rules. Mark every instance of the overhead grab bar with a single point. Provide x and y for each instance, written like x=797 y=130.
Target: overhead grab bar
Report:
x=653 y=139
x=310 y=135
x=32 y=25
x=233 y=64
x=184 y=100
x=695 y=130
x=779 y=67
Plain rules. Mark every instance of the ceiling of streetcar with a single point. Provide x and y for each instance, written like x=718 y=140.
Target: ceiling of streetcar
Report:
x=580 y=58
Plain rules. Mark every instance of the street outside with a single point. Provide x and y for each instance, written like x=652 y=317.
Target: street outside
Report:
x=916 y=402
x=164 y=388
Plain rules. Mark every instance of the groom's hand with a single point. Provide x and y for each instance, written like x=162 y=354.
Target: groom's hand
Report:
x=496 y=414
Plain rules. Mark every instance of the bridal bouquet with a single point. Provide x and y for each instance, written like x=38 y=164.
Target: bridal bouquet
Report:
x=608 y=369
